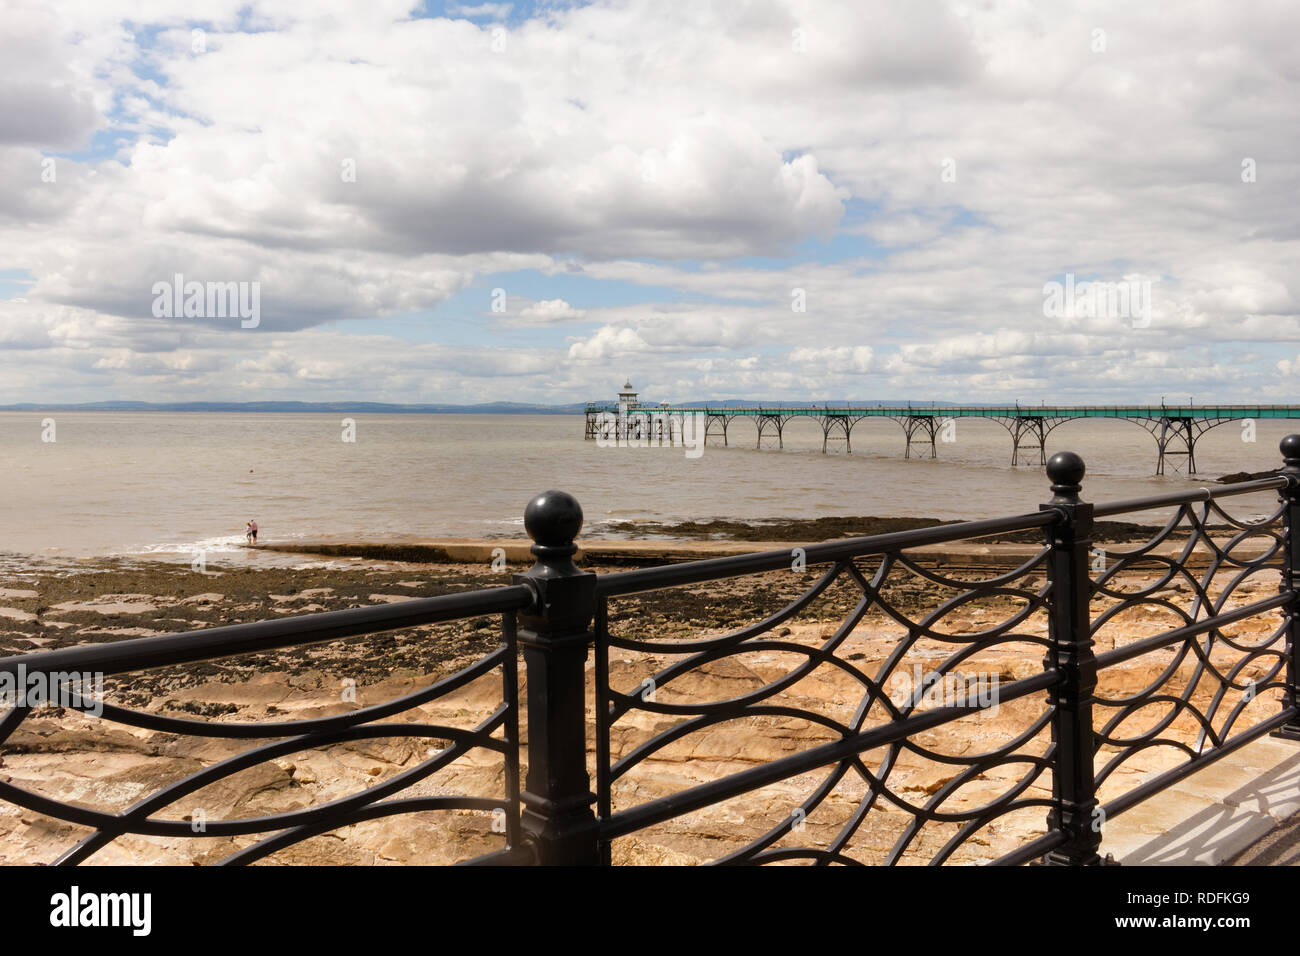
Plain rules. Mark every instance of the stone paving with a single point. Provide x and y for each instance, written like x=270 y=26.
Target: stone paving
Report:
x=1243 y=810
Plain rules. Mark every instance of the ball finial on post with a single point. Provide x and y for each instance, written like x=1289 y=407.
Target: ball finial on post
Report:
x=553 y=519
x=1290 y=446
x=1066 y=470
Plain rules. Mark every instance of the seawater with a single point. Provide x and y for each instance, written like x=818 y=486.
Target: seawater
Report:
x=172 y=484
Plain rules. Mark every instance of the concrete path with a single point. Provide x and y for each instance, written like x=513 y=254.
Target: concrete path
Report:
x=1242 y=810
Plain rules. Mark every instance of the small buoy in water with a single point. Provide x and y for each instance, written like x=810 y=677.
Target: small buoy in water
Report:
x=250 y=471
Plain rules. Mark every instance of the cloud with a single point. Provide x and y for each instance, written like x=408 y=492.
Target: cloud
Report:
x=608 y=343
x=842 y=359
x=919 y=169
x=42 y=101
x=546 y=312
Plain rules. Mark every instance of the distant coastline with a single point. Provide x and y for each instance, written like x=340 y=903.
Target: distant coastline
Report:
x=393 y=408
x=360 y=408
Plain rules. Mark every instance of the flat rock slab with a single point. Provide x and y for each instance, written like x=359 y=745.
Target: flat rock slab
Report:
x=115 y=604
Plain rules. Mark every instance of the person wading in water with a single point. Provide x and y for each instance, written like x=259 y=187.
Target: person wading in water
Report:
x=250 y=532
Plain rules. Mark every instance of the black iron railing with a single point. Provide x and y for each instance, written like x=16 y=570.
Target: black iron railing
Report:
x=498 y=732
x=891 y=751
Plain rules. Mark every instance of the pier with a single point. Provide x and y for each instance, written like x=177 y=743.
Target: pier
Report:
x=1175 y=428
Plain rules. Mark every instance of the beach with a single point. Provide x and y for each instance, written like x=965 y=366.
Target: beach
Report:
x=61 y=605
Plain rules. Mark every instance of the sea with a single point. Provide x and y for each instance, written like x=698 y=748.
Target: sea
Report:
x=171 y=485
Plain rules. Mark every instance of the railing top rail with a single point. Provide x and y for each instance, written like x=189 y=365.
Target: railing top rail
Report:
x=119 y=657
x=691 y=572
x=1130 y=505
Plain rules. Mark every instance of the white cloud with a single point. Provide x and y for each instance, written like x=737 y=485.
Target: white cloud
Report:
x=659 y=145
x=546 y=312
x=856 y=359
x=608 y=343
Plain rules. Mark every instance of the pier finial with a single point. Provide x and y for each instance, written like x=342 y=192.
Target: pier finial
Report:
x=1290 y=446
x=1066 y=470
x=553 y=519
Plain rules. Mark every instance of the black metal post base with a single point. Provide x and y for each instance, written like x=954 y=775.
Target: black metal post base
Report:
x=1066 y=858
x=562 y=836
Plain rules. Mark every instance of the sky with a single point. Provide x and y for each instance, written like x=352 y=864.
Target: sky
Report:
x=978 y=201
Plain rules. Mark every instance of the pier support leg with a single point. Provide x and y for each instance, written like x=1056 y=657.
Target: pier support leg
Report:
x=721 y=421
x=1031 y=435
x=767 y=422
x=1173 y=433
x=925 y=425
x=836 y=423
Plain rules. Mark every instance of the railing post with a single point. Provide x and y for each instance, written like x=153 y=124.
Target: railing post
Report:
x=555 y=634
x=1290 y=497
x=1070 y=654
